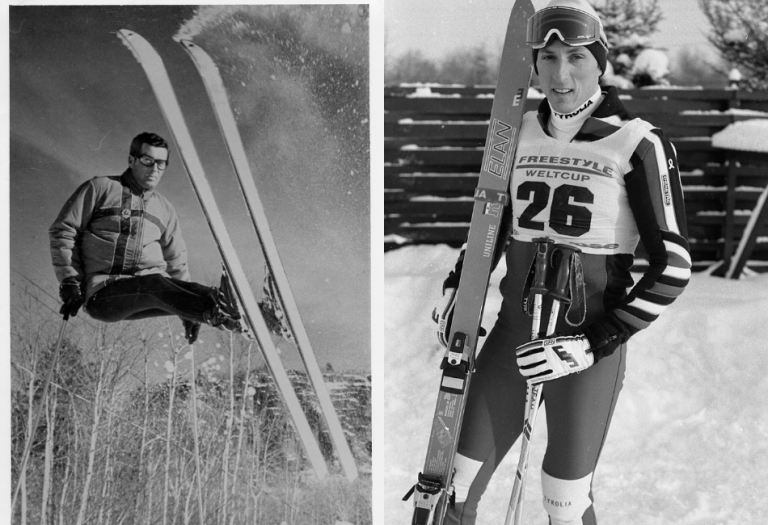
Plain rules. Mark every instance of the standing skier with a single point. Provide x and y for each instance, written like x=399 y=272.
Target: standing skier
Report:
x=117 y=248
x=589 y=174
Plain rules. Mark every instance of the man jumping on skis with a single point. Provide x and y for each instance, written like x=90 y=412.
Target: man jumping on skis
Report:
x=117 y=249
x=611 y=180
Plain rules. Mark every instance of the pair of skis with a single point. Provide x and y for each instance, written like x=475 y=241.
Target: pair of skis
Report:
x=158 y=78
x=434 y=489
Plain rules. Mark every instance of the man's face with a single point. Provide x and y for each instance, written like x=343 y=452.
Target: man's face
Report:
x=568 y=75
x=144 y=166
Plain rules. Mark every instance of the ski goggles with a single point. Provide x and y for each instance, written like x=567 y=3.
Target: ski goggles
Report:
x=572 y=26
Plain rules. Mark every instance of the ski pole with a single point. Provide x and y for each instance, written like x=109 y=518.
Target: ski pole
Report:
x=539 y=289
x=36 y=418
x=559 y=296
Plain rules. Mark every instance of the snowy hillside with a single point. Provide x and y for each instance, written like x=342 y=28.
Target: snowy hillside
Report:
x=689 y=440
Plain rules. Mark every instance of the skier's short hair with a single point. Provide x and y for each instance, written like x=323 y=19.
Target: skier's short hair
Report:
x=151 y=139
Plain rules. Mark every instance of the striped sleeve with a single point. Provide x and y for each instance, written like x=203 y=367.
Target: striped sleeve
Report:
x=656 y=199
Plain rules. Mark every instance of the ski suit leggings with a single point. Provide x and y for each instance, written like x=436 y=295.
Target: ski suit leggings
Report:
x=578 y=413
x=152 y=295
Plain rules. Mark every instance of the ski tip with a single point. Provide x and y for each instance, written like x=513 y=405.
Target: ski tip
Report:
x=125 y=36
x=193 y=49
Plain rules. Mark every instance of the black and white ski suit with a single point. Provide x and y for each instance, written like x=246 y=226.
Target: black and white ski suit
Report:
x=614 y=184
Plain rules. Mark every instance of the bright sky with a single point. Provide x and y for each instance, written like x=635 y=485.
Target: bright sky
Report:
x=438 y=26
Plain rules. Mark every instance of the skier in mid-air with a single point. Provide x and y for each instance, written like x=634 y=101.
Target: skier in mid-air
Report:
x=117 y=249
x=589 y=174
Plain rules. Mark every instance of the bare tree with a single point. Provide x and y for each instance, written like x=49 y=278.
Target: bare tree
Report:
x=412 y=66
x=469 y=66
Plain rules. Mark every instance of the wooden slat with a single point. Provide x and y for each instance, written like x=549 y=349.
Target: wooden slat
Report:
x=433 y=183
x=431 y=234
x=440 y=106
x=468 y=159
x=405 y=90
x=446 y=210
x=685 y=94
x=432 y=130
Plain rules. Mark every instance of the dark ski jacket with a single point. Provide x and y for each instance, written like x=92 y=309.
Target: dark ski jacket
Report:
x=112 y=228
x=639 y=199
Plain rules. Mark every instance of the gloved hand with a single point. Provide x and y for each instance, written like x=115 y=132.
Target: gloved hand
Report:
x=191 y=330
x=443 y=314
x=71 y=294
x=606 y=335
x=546 y=359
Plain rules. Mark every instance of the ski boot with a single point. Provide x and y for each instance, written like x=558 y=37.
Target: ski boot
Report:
x=225 y=314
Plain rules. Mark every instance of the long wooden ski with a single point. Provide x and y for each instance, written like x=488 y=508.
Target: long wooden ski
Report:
x=158 y=78
x=217 y=93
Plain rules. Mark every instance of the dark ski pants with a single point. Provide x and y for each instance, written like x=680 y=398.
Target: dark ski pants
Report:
x=151 y=295
x=578 y=413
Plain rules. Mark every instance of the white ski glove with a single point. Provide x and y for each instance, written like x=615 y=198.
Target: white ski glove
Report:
x=546 y=359
x=442 y=315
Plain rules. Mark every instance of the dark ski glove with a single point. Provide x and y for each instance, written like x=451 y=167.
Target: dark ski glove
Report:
x=71 y=294
x=606 y=335
x=191 y=330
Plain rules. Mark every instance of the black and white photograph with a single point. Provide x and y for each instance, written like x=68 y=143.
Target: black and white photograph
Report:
x=189 y=264
x=566 y=323
x=576 y=262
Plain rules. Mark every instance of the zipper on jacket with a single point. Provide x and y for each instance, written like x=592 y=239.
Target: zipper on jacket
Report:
x=139 y=234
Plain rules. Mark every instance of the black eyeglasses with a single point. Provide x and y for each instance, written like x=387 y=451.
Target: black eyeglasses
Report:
x=148 y=161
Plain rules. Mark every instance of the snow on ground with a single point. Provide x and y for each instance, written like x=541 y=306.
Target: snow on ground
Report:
x=689 y=440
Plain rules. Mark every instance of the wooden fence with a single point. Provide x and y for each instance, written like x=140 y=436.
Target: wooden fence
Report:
x=434 y=141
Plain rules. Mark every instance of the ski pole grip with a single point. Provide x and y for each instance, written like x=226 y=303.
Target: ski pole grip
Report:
x=562 y=285
x=543 y=245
